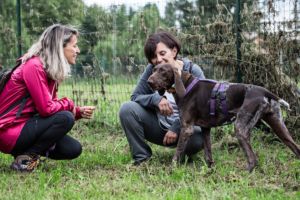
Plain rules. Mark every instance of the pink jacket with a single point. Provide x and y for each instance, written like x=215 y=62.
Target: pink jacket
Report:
x=30 y=78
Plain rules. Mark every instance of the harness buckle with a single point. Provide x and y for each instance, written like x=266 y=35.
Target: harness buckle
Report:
x=222 y=95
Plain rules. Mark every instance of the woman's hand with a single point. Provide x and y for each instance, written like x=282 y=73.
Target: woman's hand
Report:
x=87 y=111
x=165 y=107
x=170 y=138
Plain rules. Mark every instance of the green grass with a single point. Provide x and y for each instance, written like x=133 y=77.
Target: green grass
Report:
x=103 y=171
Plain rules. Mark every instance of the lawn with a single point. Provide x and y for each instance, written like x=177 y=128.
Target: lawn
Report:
x=104 y=171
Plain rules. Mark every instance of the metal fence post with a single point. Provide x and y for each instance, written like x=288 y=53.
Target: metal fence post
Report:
x=238 y=40
x=18 y=7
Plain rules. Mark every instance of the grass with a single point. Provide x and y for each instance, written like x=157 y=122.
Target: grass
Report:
x=103 y=171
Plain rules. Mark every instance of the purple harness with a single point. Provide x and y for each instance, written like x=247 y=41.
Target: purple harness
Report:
x=219 y=90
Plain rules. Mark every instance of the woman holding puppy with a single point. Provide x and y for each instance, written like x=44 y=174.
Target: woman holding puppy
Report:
x=151 y=117
x=38 y=126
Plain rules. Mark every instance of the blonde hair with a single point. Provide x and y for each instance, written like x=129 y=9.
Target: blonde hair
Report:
x=50 y=50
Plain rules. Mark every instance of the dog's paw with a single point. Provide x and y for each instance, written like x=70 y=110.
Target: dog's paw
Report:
x=175 y=163
x=210 y=164
x=175 y=160
x=251 y=167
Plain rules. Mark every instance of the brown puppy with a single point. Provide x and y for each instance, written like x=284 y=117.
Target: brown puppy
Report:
x=207 y=103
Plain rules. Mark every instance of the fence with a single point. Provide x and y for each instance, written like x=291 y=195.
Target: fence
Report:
x=251 y=41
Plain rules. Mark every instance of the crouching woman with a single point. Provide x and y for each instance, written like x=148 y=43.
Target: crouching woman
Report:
x=38 y=125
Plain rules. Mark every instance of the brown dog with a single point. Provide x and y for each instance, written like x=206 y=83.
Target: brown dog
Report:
x=207 y=103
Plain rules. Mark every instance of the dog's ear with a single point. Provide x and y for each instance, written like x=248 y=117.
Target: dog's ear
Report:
x=179 y=87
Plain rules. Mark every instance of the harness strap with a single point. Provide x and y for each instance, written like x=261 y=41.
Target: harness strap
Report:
x=222 y=91
x=194 y=82
x=213 y=99
x=20 y=102
x=219 y=90
x=191 y=85
x=23 y=102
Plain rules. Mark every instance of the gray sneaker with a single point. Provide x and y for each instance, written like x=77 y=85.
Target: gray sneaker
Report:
x=25 y=163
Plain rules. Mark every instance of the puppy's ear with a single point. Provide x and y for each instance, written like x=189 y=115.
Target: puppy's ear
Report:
x=179 y=87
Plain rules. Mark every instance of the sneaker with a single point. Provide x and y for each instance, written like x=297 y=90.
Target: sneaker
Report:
x=140 y=162
x=25 y=163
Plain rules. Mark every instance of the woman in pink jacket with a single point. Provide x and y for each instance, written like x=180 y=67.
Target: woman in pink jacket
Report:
x=39 y=126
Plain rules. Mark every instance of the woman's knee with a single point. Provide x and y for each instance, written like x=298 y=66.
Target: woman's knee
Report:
x=65 y=119
x=76 y=150
x=126 y=109
x=66 y=149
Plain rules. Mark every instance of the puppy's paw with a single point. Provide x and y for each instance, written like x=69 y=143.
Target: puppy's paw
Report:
x=251 y=167
x=210 y=163
x=175 y=160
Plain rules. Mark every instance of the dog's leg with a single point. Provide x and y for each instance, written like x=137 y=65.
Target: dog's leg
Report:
x=185 y=133
x=247 y=117
x=179 y=86
x=207 y=147
x=276 y=123
x=243 y=137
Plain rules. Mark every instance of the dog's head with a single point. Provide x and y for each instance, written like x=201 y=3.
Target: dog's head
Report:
x=162 y=78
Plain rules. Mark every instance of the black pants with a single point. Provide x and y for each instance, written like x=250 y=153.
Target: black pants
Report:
x=39 y=134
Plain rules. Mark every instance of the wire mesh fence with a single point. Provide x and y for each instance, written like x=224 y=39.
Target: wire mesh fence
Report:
x=262 y=47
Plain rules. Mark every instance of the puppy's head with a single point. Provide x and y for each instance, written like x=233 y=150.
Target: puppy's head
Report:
x=162 y=78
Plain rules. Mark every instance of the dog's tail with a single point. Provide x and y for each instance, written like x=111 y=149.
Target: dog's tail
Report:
x=276 y=98
x=284 y=103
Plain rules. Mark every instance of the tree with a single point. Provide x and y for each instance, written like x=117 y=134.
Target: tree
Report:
x=170 y=14
x=8 y=39
x=124 y=47
x=95 y=28
x=37 y=15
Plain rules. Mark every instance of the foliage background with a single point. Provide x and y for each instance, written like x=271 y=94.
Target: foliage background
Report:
x=111 y=60
x=112 y=41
